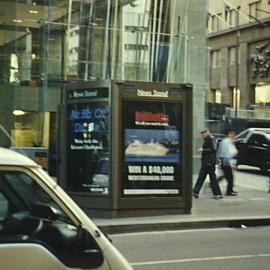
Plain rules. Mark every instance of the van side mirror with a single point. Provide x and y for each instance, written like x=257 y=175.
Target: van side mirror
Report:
x=45 y=211
x=88 y=254
x=86 y=259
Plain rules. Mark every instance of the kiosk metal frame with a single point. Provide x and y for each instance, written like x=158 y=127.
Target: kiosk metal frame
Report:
x=145 y=130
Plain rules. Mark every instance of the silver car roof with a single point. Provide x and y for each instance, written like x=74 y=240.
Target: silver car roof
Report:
x=248 y=130
x=10 y=157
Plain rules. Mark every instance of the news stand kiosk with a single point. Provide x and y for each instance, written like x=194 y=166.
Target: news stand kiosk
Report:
x=126 y=147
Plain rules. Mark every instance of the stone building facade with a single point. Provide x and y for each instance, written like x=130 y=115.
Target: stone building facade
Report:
x=239 y=45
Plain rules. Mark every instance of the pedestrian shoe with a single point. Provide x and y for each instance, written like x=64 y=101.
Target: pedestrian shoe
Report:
x=195 y=195
x=231 y=193
x=220 y=178
x=217 y=197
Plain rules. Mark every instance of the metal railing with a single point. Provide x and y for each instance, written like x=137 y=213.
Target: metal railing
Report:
x=249 y=114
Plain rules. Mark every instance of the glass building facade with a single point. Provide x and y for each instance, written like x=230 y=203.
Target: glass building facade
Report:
x=44 y=44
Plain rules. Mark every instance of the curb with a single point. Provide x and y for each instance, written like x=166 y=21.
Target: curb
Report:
x=184 y=225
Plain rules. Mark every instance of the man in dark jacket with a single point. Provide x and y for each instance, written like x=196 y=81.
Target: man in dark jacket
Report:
x=208 y=161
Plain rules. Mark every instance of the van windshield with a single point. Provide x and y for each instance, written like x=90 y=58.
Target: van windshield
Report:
x=29 y=215
x=19 y=192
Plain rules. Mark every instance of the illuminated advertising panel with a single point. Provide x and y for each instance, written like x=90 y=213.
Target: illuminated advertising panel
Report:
x=88 y=147
x=152 y=134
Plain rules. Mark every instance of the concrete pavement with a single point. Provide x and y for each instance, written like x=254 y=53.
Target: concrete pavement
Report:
x=250 y=208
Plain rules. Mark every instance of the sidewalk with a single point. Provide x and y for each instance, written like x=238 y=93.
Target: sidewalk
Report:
x=250 y=208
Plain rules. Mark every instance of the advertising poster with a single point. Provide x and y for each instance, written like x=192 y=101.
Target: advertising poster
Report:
x=88 y=142
x=152 y=133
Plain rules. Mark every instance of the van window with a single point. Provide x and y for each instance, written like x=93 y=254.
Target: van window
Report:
x=29 y=214
x=24 y=194
x=3 y=206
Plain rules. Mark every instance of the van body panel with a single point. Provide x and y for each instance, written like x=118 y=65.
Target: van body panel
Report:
x=18 y=250
x=28 y=257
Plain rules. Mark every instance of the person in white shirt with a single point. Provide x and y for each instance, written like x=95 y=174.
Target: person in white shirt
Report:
x=227 y=153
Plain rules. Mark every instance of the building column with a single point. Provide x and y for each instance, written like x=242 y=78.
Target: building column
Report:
x=224 y=86
x=243 y=80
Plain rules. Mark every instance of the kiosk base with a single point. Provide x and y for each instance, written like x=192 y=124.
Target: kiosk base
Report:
x=111 y=214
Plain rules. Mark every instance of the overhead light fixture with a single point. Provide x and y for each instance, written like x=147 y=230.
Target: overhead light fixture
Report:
x=261 y=83
x=33 y=11
x=19 y=112
x=17 y=20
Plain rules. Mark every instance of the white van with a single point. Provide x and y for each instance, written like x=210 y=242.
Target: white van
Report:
x=41 y=228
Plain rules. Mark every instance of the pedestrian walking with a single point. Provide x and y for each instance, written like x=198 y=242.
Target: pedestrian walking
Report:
x=208 y=162
x=227 y=155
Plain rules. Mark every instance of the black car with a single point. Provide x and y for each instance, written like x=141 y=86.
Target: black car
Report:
x=253 y=147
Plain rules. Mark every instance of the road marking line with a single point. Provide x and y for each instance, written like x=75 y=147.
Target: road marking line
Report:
x=248 y=256
x=258 y=199
x=169 y=232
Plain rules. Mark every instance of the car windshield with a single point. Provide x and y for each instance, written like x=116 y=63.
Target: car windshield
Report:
x=242 y=135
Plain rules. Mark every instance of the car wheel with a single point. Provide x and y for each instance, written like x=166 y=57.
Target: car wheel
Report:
x=264 y=169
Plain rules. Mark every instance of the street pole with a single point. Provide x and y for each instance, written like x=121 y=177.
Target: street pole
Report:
x=106 y=41
x=237 y=62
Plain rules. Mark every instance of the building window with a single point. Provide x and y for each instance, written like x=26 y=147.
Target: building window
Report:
x=216 y=26
x=262 y=94
x=216 y=59
x=14 y=69
x=232 y=56
x=217 y=96
x=232 y=17
x=236 y=98
x=227 y=11
x=254 y=9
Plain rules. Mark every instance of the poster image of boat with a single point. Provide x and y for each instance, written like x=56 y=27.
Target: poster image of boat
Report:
x=152 y=145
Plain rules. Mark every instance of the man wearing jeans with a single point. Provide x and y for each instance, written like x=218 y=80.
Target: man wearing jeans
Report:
x=227 y=153
x=208 y=162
